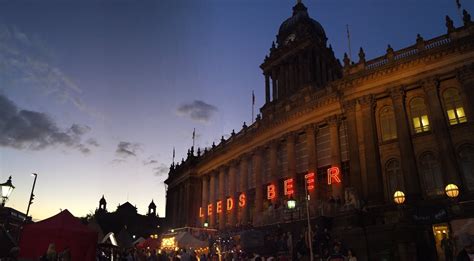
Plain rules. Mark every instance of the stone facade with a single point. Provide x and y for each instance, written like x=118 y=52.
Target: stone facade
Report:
x=402 y=121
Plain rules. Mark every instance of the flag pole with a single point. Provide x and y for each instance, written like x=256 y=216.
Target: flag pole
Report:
x=174 y=154
x=253 y=105
x=349 y=42
x=459 y=7
x=194 y=136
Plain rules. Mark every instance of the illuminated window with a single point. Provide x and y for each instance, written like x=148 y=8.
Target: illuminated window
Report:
x=419 y=115
x=466 y=154
x=387 y=124
x=394 y=176
x=431 y=174
x=454 y=107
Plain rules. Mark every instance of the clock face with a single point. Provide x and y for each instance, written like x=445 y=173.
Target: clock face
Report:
x=290 y=38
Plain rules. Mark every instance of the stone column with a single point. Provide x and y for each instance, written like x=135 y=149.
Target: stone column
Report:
x=212 y=199
x=465 y=77
x=372 y=156
x=410 y=174
x=257 y=171
x=440 y=129
x=231 y=215
x=273 y=157
x=290 y=149
x=274 y=85
x=244 y=217
x=205 y=197
x=352 y=138
x=267 y=88
x=334 y=121
x=221 y=197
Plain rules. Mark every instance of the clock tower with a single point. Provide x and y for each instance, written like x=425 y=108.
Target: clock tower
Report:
x=300 y=58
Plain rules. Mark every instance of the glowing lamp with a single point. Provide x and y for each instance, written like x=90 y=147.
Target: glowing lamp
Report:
x=291 y=203
x=6 y=189
x=206 y=224
x=399 y=197
x=452 y=191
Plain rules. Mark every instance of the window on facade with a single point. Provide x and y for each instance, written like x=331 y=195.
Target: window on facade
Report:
x=237 y=179
x=431 y=174
x=466 y=154
x=394 y=176
x=343 y=142
x=226 y=183
x=419 y=115
x=282 y=163
x=266 y=166
x=387 y=124
x=454 y=107
x=250 y=175
x=301 y=150
x=323 y=146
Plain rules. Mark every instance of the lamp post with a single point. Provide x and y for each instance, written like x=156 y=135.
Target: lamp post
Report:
x=31 y=195
x=6 y=189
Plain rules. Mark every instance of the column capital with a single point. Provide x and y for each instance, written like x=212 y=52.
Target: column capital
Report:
x=349 y=105
x=367 y=101
x=333 y=120
x=311 y=127
x=396 y=93
x=430 y=84
x=465 y=74
x=290 y=136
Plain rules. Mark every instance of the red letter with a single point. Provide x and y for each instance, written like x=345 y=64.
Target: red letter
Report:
x=209 y=209
x=201 y=213
x=230 y=204
x=310 y=181
x=288 y=187
x=333 y=175
x=271 y=194
x=219 y=206
x=242 y=200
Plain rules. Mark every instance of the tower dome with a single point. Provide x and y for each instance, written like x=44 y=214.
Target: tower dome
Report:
x=299 y=25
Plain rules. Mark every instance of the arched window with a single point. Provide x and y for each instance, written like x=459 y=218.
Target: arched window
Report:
x=466 y=154
x=419 y=115
x=431 y=174
x=454 y=107
x=387 y=124
x=394 y=176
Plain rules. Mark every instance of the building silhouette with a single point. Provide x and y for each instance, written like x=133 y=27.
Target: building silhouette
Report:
x=351 y=134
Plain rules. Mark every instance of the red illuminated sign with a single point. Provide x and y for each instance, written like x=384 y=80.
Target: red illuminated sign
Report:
x=309 y=181
x=333 y=175
x=230 y=204
x=201 y=212
x=288 y=187
x=209 y=209
x=271 y=191
x=219 y=206
x=242 y=200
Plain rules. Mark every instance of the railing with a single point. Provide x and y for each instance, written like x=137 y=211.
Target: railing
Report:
x=408 y=52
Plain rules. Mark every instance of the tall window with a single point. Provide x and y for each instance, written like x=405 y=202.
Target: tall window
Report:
x=466 y=154
x=237 y=178
x=323 y=146
x=431 y=174
x=301 y=150
x=267 y=176
x=250 y=174
x=282 y=163
x=454 y=107
x=343 y=142
x=419 y=115
x=387 y=124
x=394 y=176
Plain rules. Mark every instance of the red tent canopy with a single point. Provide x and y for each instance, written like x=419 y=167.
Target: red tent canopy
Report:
x=149 y=243
x=64 y=230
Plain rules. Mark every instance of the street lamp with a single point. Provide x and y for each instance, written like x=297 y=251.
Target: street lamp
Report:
x=291 y=203
x=399 y=197
x=452 y=191
x=206 y=224
x=32 y=196
x=6 y=189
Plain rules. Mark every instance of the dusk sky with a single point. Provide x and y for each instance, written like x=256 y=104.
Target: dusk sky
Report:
x=95 y=94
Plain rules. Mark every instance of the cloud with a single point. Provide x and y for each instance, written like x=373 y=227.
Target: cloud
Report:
x=150 y=162
x=25 y=60
x=127 y=149
x=93 y=142
x=161 y=170
x=25 y=129
x=197 y=110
